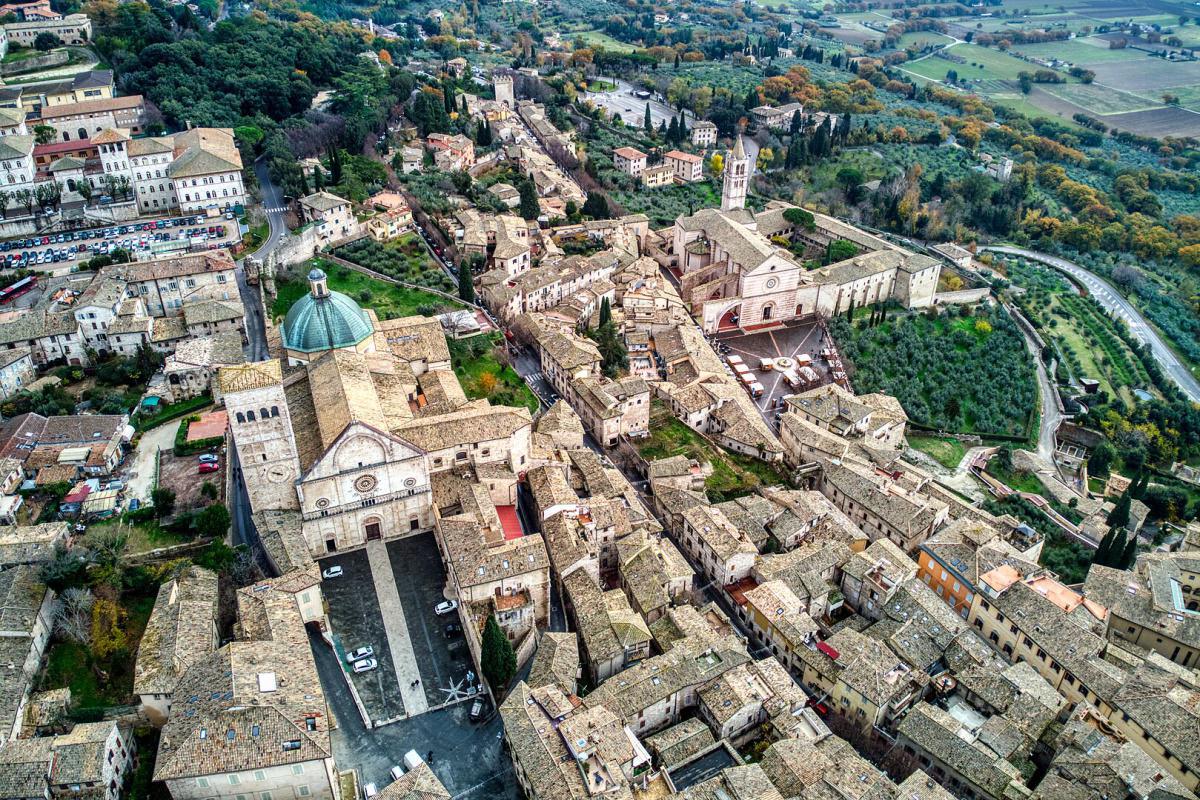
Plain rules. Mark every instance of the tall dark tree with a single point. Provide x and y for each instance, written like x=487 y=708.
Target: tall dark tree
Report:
x=605 y=312
x=466 y=286
x=1104 y=550
x=1129 y=554
x=596 y=206
x=529 y=201
x=497 y=659
x=1119 y=516
x=647 y=122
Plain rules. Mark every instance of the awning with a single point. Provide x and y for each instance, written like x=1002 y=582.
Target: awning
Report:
x=73 y=455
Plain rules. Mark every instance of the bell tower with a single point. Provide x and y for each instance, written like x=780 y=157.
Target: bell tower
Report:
x=737 y=177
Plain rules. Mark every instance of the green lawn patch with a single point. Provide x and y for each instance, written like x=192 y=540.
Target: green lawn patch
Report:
x=733 y=475
x=978 y=63
x=387 y=299
x=144 y=536
x=946 y=450
x=483 y=376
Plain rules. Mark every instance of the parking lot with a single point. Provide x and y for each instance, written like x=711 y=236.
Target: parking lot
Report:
x=423 y=652
x=805 y=338
x=139 y=238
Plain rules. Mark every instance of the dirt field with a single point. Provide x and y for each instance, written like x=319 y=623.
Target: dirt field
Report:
x=181 y=475
x=1158 y=122
x=1147 y=74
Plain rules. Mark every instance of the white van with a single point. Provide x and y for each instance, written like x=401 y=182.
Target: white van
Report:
x=396 y=773
x=370 y=790
x=756 y=390
x=412 y=760
x=767 y=364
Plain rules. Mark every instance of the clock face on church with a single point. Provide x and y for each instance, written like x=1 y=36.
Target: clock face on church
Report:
x=277 y=473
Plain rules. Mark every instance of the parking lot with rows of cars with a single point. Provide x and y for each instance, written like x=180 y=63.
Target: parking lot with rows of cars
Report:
x=783 y=361
x=139 y=239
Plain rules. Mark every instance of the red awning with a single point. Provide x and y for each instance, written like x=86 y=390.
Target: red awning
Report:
x=827 y=650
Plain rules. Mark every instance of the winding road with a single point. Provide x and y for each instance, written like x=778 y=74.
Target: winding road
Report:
x=272 y=201
x=1118 y=306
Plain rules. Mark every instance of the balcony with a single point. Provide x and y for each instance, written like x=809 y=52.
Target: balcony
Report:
x=366 y=502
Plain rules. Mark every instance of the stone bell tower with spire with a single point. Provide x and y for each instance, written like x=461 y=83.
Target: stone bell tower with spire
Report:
x=737 y=177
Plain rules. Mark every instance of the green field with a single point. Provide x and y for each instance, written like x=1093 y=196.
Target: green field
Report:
x=1099 y=99
x=602 y=39
x=387 y=300
x=921 y=39
x=1018 y=103
x=946 y=450
x=981 y=63
x=1189 y=96
x=1082 y=51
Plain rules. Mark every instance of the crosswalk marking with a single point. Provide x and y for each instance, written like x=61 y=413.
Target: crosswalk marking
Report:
x=276 y=209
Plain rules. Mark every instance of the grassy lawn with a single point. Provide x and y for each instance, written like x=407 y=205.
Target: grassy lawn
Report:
x=921 y=39
x=255 y=236
x=1015 y=479
x=387 y=299
x=733 y=475
x=946 y=450
x=99 y=684
x=602 y=39
x=1100 y=99
x=981 y=63
x=143 y=536
x=482 y=375
x=1082 y=51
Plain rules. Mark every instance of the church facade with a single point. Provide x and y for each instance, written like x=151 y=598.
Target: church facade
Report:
x=741 y=270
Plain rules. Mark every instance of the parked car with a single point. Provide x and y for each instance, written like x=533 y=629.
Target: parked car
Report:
x=333 y=572
x=366 y=651
x=453 y=629
x=209 y=467
x=412 y=760
x=445 y=607
x=396 y=772
x=370 y=790
x=209 y=458
x=476 y=710
x=366 y=665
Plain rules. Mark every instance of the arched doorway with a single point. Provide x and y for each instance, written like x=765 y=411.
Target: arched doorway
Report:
x=767 y=312
x=729 y=320
x=373 y=527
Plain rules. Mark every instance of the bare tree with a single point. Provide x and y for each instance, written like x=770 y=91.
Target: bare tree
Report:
x=73 y=618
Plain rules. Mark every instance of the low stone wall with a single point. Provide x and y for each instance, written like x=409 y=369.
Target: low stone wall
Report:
x=961 y=297
x=55 y=58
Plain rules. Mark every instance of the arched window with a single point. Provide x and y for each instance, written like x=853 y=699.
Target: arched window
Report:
x=81 y=133
x=66 y=136
x=262 y=412
x=274 y=411
x=241 y=417
x=250 y=416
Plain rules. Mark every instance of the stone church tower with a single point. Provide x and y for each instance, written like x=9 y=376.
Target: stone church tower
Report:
x=737 y=177
x=262 y=433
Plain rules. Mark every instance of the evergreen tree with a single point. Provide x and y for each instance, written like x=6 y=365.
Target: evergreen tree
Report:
x=673 y=131
x=529 y=202
x=466 y=286
x=497 y=659
x=683 y=129
x=319 y=178
x=613 y=356
x=1119 y=516
x=304 y=182
x=1129 y=554
x=596 y=206
x=605 y=312
x=797 y=123
x=448 y=97
x=751 y=100
x=662 y=128
x=1104 y=550
x=648 y=123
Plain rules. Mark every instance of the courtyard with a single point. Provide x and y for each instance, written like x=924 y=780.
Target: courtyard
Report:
x=801 y=338
x=385 y=599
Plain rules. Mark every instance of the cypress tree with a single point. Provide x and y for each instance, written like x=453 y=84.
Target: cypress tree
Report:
x=497 y=660
x=466 y=286
x=1119 y=516
x=1129 y=554
x=1104 y=550
x=648 y=123
x=605 y=312
x=529 y=203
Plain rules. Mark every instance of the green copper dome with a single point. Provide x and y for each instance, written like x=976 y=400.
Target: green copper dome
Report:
x=324 y=320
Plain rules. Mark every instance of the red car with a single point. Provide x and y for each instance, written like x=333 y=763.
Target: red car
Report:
x=209 y=468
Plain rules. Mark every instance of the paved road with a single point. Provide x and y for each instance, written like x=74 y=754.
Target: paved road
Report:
x=139 y=477
x=272 y=199
x=1116 y=304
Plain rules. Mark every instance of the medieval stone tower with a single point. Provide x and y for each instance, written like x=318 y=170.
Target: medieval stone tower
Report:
x=737 y=177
